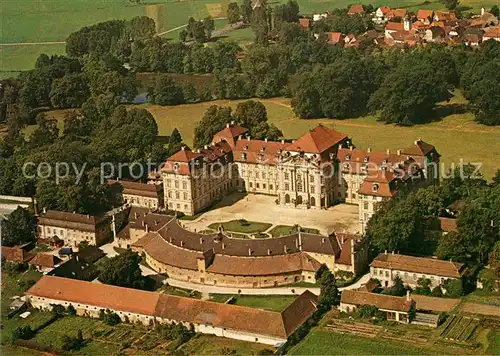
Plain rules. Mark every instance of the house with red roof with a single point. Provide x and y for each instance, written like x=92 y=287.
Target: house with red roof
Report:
x=356 y=9
x=425 y=16
x=334 y=38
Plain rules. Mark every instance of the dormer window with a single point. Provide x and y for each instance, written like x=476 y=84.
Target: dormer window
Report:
x=375 y=187
x=366 y=159
x=347 y=166
x=262 y=149
x=245 y=148
x=176 y=166
x=384 y=161
x=244 y=156
x=347 y=157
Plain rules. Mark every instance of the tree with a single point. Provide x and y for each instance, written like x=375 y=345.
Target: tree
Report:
x=398 y=289
x=246 y=11
x=321 y=272
x=214 y=120
x=189 y=93
x=58 y=310
x=71 y=342
x=450 y=4
x=71 y=310
x=174 y=142
x=46 y=132
x=250 y=113
x=69 y=91
x=166 y=91
x=454 y=287
x=109 y=317
x=495 y=11
x=123 y=270
x=329 y=293
x=423 y=286
x=409 y=93
x=22 y=332
x=74 y=126
x=306 y=99
x=209 y=26
x=183 y=35
x=19 y=228
x=233 y=12
x=437 y=292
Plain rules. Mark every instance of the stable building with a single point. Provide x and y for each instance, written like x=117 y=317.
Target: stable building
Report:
x=151 y=308
x=396 y=308
x=73 y=228
x=387 y=266
x=145 y=195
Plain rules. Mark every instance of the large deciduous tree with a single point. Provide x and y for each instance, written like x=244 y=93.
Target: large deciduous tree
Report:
x=123 y=270
x=214 y=120
x=19 y=228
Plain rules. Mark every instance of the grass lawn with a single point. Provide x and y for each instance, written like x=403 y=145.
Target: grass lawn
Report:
x=212 y=345
x=282 y=230
x=19 y=58
x=493 y=342
x=245 y=227
x=181 y=292
x=328 y=343
x=276 y=303
x=483 y=297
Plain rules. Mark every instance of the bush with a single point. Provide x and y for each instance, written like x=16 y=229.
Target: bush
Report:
x=71 y=310
x=437 y=292
x=454 y=288
x=109 y=317
x=58 y=310
x=72 y=343
x=23 y=332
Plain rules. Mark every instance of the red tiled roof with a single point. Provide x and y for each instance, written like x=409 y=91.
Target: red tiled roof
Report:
x=70 y=220
x=419 y=25
x=183 y=156
x=305 y=23
x=138 y=189
x=445 y=16
x=424 y=14
x=379 y=183
x=356 y=9
x=448 y=224
x=95 y=294
x=425 y=302
x=419 y=148
x=385 y=9
x=355 y=158
x=258 y=151
x=15 y=254
x=229 y=134
x=334 y=37
x=492 y=33
x=45 y=260
x=397 y=13
x=381 y=301
x=394 y=26
x=424 y=265
x=317 y=140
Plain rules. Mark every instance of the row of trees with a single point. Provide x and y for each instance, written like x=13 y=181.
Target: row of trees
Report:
x=199 y=31
x=404 y=223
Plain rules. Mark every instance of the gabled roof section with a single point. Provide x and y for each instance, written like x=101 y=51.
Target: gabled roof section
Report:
x=183 y=156
x=317 y=140
x=229 y=134
x=424 y=14
x=419 y=148
x=45 y=260
x=356 y=9
x=381 y=301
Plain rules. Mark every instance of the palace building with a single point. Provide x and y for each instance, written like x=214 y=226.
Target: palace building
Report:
x=318 y=170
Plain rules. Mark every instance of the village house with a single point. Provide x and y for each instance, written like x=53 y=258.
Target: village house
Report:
x=318 y=17
x=395 y=308
x=356 y=9
x=73 y=228
x=387 y=266
x=425 y=16
x=219 y=259
x=492 y=33
x=305 y=23
x=150 y=308
x=44 y=262
x=15 y=254
x=380 y=15
x=140 y=194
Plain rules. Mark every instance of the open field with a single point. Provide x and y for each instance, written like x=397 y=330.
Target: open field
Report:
x=19 y=58
x=212 y=345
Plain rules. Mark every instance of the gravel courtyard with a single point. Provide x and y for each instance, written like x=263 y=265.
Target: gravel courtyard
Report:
x=263 y=208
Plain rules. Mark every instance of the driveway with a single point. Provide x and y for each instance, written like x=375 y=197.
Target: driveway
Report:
x=262 y=208
x=206 y=290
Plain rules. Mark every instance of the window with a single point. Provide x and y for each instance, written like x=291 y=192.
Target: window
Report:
x=263 y=175
x=287 y=186
x=185 y=207
x=251 y=185
x=287 y=176
x=311 y=178
x=176 y=184
x=387 y=273
x=184 y=185
x=271 y=186
x=263 y=186
x=311 y=188
x=258 y=185
x=178 y=206
x=380 y=272
x=177 y=195
x=168 y=182
x=185 y=196
x=353 y=195
x=170 y=194
x=299 y=186
x=365 y=205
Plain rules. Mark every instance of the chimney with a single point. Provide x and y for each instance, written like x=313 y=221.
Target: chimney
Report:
x=223 y=245
x=135 y=215
x=369 y=149
x=248 y=138
x=142 y=222
x=147 y=228
x=399 y=152
x=408 y=298
x=232 y=122
x=296 y=244
x=249 y=252
x=284 y=249
x=205 y=147
x=201 y=240
x=385 y=252
x=388 y=151
x=282 y=142
x=239 y=137
x=340 y=146
x=182 y=243
x=265 y=140
x=323 y=240
x=342 y=239
x=183 y=148
x=393 y=252
x=227 y=125
x=418 y=140
x=268 y=252
x=44 y=210
x=351 y=148
x=482 y=11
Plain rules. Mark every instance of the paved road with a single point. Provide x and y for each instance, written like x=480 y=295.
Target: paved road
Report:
x=206 y=290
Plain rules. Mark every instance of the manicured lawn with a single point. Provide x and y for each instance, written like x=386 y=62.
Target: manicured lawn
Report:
x=493 y=342
x=282 y=230
x=212 y=345
x=245 y=227
x=328 y=343
x=276 y=303
x=181 y=292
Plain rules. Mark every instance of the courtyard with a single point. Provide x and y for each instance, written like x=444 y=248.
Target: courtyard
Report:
x=262 y=208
